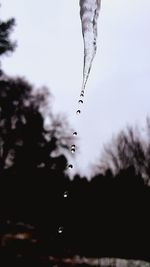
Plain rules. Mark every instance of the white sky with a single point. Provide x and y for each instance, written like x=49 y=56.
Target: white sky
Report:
x=50 y=52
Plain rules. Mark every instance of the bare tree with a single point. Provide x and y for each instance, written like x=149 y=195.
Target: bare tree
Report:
x=128 y=149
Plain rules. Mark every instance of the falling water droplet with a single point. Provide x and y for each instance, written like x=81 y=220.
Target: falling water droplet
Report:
x=60 y=229
x=70 y=166
x=81 y=95
x=65 y=195
x=73 y=150
x=78 y=112
x=74 y=133
x=80 y=101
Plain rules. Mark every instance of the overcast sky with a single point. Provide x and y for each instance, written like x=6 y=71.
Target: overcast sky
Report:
x=50 y=52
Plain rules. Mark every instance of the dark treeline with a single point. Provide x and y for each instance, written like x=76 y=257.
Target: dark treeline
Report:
x=106 y=216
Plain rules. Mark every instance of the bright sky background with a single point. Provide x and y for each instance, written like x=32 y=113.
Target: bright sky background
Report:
x=50 y=52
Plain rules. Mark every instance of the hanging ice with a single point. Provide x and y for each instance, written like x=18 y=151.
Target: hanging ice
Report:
x=89 y=12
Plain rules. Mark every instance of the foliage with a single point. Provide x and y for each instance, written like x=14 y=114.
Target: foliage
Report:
x=24 y=140
x=6 y=45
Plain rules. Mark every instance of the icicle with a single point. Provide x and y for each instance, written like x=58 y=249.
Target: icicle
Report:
x=89 y=12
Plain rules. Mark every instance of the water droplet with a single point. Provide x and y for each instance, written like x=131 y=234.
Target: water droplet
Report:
x=82 y=93
x=78 y=112
x=41 y=165
x=72 y=150
x=74 y=133
x=60 y=229
x=80 y=101
x=70 y=166
x=65 y=194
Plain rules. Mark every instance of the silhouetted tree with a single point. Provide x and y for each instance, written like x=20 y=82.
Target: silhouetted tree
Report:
x=6 y=45
x=128 y=149
x=24 y=141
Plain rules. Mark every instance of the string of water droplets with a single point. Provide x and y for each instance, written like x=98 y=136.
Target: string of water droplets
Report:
x=72 y=150
x=78 y=112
